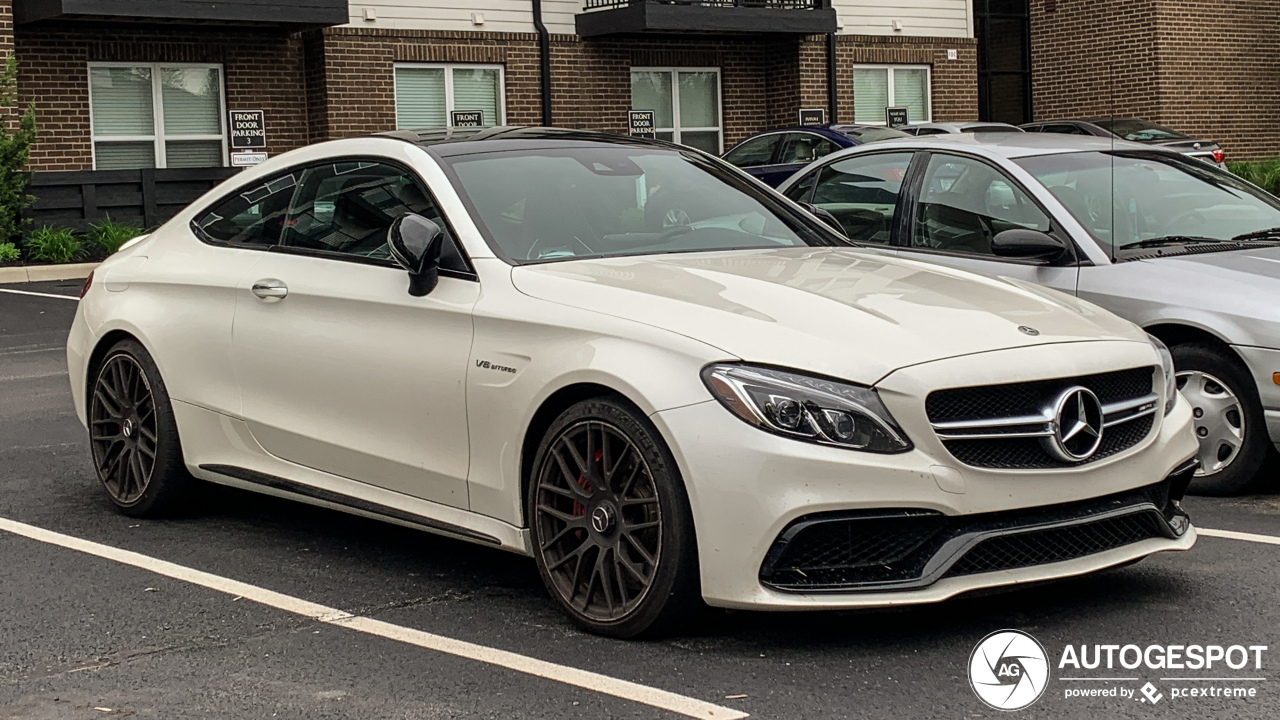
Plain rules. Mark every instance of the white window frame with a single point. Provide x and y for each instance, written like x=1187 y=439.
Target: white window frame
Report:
x=448 y=86
x=675 y=102
x=157 y=107
x=928 y=87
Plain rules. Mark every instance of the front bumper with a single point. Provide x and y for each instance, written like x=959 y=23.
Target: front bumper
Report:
x=747 y=487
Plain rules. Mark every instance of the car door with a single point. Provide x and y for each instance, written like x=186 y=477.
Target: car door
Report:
x=795 y=152
x=960 y=203
x=755 y=155
x=340 y=368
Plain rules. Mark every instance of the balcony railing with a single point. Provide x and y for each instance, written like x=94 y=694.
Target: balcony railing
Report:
x=776 y=4
x=614 y=17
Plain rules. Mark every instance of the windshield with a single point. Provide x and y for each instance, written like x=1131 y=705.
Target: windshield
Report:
x=1128 y=199
x=989 y=129
x=1137 y=130
x=607 y=201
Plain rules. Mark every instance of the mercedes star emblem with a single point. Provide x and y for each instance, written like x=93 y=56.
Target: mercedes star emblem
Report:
x=1077 y=425
x=1028 y=330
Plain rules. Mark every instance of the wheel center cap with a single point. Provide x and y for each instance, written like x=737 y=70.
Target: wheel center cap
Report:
x=127 y=428
x=603 y=518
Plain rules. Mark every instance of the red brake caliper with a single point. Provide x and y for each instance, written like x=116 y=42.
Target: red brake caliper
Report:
x=578 y=508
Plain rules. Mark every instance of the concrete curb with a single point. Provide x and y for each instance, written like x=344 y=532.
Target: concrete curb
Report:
x=41 y=273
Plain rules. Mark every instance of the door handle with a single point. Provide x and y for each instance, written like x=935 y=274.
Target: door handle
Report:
x=270 y=290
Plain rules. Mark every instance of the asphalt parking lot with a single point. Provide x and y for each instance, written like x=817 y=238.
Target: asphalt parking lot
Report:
x=88 y=636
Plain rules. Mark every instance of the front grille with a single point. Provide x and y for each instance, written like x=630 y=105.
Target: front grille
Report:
x=1029 y=454
x=1057 y=544
x=990 y=401
x=909 y=549
x=1034 y=401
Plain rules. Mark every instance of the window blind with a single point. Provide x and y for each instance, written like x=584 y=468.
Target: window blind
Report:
x=420 y=98
x=191 y=101
x=870 y=94
x=477 y=89
x=122 y=101
x=911 y=91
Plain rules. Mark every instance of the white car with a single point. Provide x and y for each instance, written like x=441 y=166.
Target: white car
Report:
x=634 y=363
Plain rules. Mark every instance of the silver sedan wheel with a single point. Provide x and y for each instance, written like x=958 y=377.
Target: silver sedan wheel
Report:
x=1219 y=420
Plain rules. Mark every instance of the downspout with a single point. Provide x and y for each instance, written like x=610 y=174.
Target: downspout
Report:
x=544 y=60
x=832 y=84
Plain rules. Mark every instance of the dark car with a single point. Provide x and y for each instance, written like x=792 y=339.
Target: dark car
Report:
x=1135 y=130
x=775 y=155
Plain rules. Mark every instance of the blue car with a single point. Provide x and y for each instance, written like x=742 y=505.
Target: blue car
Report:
x=775 y=155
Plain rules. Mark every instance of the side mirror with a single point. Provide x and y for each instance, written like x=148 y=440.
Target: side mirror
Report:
x=825 y=216
x=1028 y=244
x=416 y=244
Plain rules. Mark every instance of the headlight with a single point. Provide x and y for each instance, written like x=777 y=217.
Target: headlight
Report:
x=1166 y=364
x=807 y=408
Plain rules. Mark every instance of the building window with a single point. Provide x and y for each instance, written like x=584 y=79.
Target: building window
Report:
x=156 y=116
x=425 y=94
x=685 y=104
x=876 y=87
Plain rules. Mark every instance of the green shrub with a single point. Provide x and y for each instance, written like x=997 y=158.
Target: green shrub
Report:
x=9 y=253
x=108 y=236
x=1263 y=173
x=54 y=245
x=15 y=148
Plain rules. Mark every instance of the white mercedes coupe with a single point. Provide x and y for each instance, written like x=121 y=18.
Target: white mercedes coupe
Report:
x=663 y=381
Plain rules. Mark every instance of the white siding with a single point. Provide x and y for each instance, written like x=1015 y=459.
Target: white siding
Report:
x=499 y=15
x=928 y=18
x=936 y=18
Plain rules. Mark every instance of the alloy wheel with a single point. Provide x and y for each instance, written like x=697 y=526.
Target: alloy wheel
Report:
x=1219 y=420
x=599 y=521
x=123 y=429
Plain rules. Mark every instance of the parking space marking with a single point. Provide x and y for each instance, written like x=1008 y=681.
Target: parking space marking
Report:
x=595 y=682
x=1233 y=535
x=73 y=298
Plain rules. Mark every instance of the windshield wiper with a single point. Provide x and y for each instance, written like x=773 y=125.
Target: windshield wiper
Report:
x=1168 y=240
x=1272 y=234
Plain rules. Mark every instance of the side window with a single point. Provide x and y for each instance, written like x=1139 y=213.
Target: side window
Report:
x=800 y=191
x=803 y=148
x=1064 y=130
x=931 y=131
x=862 y=193
x=252 y=217
x=754 y=152
x=964 y=203
x=346 y=208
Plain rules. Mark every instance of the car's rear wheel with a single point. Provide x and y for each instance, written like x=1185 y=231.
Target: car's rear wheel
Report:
x=1228 y=419
x=611 y=527
x=136 y=450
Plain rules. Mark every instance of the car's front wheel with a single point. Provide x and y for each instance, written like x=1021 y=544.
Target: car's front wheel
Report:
x=1228 y=418
x=611 y=526
x=134 y=437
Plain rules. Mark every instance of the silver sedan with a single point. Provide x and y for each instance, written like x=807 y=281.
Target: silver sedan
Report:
x=1189 y=252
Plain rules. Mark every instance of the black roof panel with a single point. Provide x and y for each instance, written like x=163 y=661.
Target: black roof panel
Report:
x=464 y=141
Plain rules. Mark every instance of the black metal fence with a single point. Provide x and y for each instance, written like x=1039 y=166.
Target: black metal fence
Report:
x=139 y=197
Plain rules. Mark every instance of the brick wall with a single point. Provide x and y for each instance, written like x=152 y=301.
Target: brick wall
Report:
x=1207 y=67
x=263 y=71
x=955 y=82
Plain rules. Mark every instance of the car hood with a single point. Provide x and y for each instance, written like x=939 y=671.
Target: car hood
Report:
x=1261 y=265
x=848 y=313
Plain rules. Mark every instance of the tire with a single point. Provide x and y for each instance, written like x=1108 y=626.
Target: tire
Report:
x=631 y=526
x=134 y=438
x=1229 y=420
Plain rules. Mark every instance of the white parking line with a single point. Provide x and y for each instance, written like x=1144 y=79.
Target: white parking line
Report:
x=40 y=294
x=595 y=682
x=1233 y=535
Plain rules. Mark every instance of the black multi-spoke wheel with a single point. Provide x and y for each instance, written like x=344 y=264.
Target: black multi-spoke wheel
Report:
x=610 y=521
x=133 y=434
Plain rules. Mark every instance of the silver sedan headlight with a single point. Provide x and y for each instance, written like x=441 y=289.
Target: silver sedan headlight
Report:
x=1170 y=379
x=807 y=408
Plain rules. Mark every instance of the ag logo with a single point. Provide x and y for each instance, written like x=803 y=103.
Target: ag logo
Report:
x=1008 y=670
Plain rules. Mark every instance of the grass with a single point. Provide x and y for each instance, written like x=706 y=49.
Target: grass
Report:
x=1263 y=173
x=54 y=245
x=108 y=236
x=9 y=253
